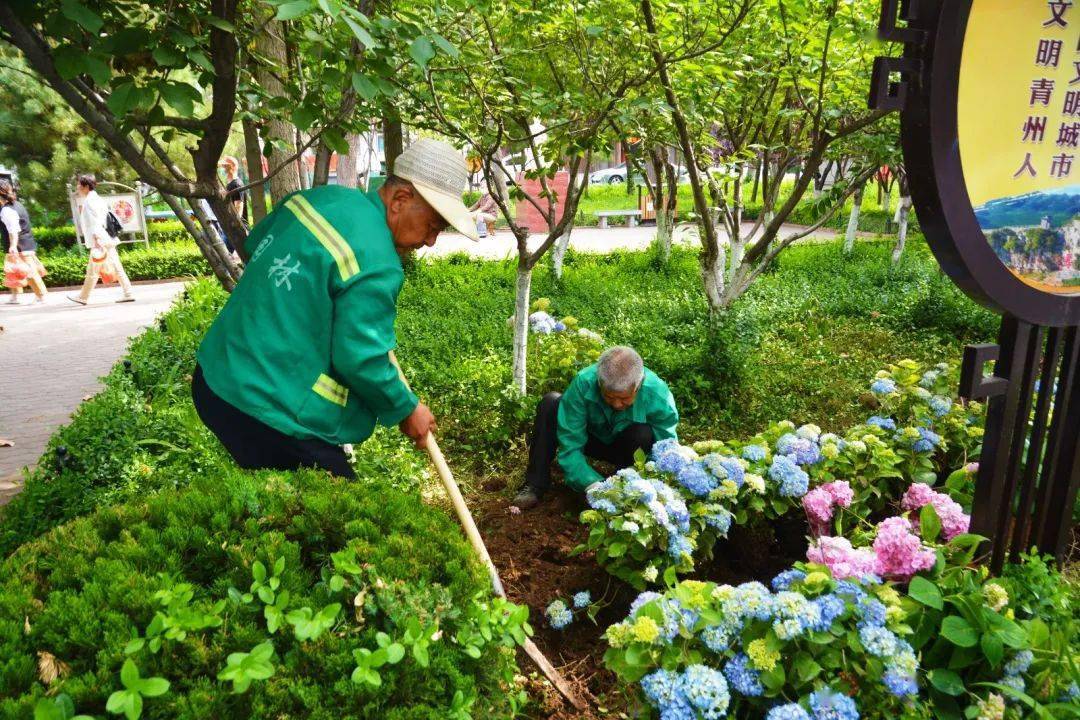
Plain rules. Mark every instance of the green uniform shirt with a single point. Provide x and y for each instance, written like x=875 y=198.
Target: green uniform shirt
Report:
x=583 y=412
x=302 y=343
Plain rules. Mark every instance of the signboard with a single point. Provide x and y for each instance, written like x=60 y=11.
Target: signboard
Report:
x=126 y=206
x=1018 y=115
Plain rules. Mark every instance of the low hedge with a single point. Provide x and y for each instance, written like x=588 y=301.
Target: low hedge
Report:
x=139 y=435
x=172 y=585
x=157 y=262
x=58 y=238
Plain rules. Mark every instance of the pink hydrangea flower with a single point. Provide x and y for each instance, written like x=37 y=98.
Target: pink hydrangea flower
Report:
x=954 y=521
x=843 y=560
x=899 y=552
x=818 y=506
x=841 y=492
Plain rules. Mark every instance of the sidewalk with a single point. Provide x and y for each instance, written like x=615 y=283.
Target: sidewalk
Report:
x=586 y=239
x=54 y=354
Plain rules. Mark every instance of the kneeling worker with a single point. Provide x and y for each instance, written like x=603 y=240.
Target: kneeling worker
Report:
x=297 y=362
x=611 y=410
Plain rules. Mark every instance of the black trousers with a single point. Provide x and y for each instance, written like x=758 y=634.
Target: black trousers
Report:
x=544 y=444
x=255 y=445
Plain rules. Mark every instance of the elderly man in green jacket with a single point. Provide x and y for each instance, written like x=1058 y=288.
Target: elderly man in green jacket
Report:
x=610 y=411
x=298 y=361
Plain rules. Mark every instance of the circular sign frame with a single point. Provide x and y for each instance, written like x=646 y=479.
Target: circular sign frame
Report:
x=929 y=135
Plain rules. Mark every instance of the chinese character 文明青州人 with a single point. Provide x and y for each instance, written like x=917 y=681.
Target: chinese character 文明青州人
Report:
x=1041 y=90
x=1049 y=53
x=1026 y=166
x=1069 y=135
x=1057 y=12
x=1061 y=166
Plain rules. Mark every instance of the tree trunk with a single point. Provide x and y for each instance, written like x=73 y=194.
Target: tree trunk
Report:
x=393 y=142
x=558 y=254
x=212 y=234
x=225 y=272
x=886 y=202
x=253 y=155
x=229 y=221
x=853 y=220
x=347 y=175
x=270 y=43
x=712 y=275
x=521 y=326
x=322 y=165
x=665 y=224
x=901 y=237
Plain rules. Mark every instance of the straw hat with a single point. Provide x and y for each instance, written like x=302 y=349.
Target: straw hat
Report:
x=438 y=173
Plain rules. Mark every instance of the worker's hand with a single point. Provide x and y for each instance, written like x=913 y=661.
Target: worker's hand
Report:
x=419 y=423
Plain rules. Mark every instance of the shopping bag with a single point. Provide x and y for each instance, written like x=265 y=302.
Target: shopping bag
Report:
x=105 y=268
x=16 y=273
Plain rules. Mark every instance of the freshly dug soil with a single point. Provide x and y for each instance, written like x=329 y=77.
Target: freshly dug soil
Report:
x=532 y=551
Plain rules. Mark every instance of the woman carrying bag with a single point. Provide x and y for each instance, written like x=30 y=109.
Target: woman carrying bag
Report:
x=18 y=241
x=104 y=260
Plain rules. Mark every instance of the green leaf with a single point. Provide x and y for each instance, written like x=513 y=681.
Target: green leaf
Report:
x=168 y=57
x=421 y=51
x=152 y=687
x=258 y=571
x=180 y=97
x=929 y=523
x=992 y=647
x=363 y=86
x=959 y=631
x=303 y=117
x=446 y=47
x=221 y=24
x=946 y=681
x=336 y=141
x=925 y=592
x=293 y=10
x=361 y=34
x=87 y=18
x=394 y=653
x=129 y=675
x=337 y=583
x=199 y=58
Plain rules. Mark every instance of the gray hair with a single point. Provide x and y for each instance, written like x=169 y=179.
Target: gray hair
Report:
x=620 y=369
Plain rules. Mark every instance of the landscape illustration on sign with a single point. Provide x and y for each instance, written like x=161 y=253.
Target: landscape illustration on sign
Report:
x=1037 y=236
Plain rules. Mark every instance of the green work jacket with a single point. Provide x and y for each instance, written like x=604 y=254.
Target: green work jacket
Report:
x=583 y=412
x=302 y=343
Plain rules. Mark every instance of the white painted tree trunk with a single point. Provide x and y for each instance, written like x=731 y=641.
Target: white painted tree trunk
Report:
x=886 y=201
x=902 y=224
x=521 y=327
x=558 y=254
x=348 y=164
x=665 y=223
x=853 y=220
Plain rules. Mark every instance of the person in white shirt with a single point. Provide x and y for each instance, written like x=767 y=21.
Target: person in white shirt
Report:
x=92 y=214
x=18 y=238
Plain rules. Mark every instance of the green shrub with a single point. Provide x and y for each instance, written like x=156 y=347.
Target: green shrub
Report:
x=165 y=584
x=157 y=262
x=57 y=238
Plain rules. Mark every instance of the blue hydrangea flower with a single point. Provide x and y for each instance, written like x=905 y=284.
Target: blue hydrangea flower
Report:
x=1071 y=693
x=802 y=450
x=559 y=615
x=717 y=638
x=928 y=441
x=940 y=405
x=878 y=641
x=755 y=453
x=790 y=711
x=829 y=705
x=784 y=580
x=560 y=326
x=707 y=690
x=582 y=599
x=678 y=545
x=883 y=386
x=663 y=690
x=742 y=677
x=643 y=599
x=735 y=471
x=1019 y=663
x=668 y=456
x=900 y=685
x=849 y=590
x=1016 y=682
x=793 y=481
x=720 y=520
x=830 y=607
x=696 y=479
x=885 y=423
x=750 y=600
x=872 y=611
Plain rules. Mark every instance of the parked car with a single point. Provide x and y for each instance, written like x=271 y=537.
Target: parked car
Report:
x=611 y=175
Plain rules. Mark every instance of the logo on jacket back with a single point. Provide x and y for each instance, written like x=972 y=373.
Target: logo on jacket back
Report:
x=281 y=271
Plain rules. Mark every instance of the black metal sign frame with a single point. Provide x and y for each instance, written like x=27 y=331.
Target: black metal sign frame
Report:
x=1029 y=470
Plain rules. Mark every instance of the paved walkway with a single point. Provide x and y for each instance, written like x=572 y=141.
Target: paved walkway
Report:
x=53 y=356
x=587 y=239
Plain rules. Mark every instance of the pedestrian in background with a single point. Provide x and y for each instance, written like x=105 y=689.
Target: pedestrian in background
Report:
x=18 y=238
x=93 y=215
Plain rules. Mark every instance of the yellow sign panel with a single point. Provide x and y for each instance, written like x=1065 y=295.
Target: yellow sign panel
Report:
x=1018 y=117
